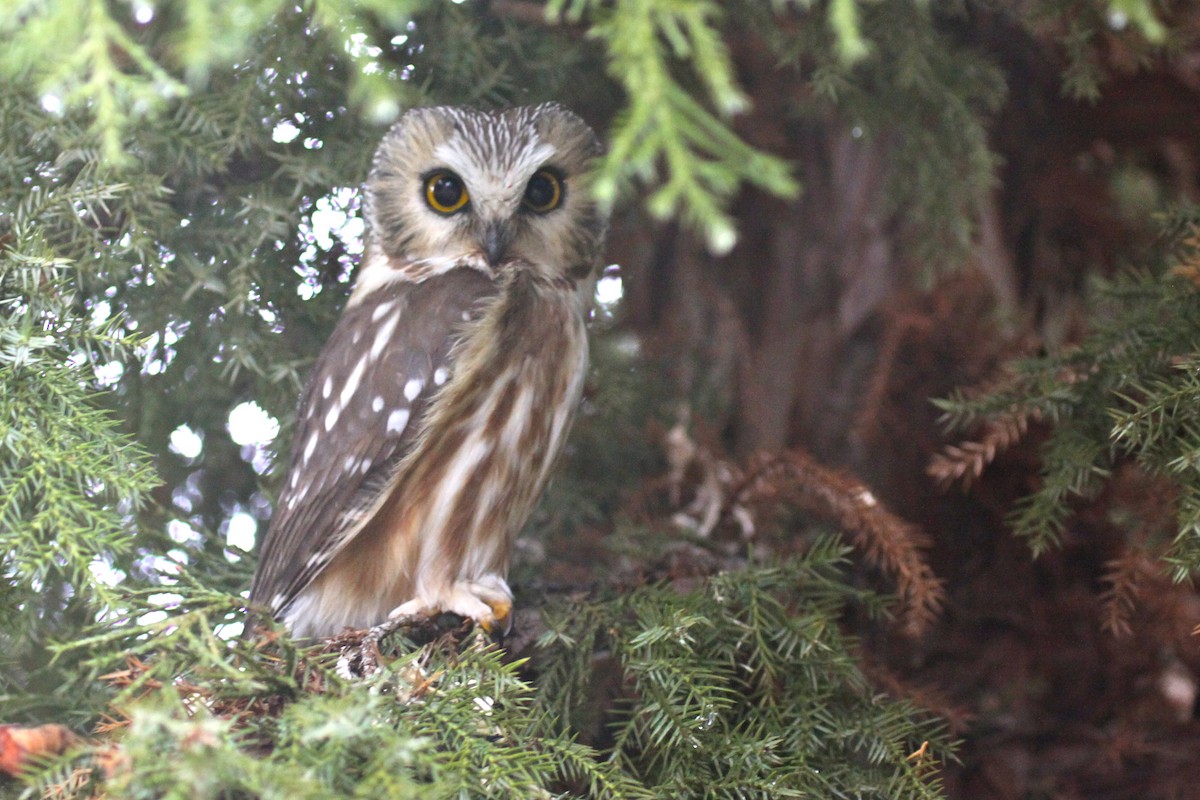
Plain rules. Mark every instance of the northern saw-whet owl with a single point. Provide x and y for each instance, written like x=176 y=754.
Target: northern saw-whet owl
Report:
x=431 y=420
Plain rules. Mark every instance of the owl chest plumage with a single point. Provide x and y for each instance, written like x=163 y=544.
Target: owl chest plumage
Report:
x=447 y=509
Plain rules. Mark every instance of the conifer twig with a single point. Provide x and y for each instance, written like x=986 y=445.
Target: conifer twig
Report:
x=359 y=650
x=900 y=326
x=1125 y=576
x=888 y=542
x=964 y=462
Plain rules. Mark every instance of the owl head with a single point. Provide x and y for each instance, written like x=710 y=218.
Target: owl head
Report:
x=494 y=189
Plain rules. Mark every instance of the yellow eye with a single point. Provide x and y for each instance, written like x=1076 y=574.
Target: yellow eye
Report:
x=445 y=193
x=543 y=192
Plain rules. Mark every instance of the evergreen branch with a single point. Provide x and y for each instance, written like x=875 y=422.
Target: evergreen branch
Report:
x=889 y=543
x=964 y=463
x=779 y=727
x=1125 y=577
x=703 y=161
x=1184 y=554
x=68 y=481
x=1128 y=390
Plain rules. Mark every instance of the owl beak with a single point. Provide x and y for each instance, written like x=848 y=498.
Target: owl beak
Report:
x=495 y=242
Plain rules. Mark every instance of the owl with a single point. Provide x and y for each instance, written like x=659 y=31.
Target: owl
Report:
x=433 y=416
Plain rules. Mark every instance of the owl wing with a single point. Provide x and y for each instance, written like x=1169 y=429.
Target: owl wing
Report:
x=358 y=417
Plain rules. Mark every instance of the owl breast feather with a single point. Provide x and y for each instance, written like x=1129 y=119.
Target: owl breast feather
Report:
x=461 y=416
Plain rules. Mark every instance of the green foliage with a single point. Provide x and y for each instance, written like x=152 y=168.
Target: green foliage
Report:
x=739 y=687
x=120 y=64
x=127 y=69
x=1082 y=29
x=70 y=481
x=437 y=722
x=1129 y=391
x=69 y=485
x=703 y=160
x=921 y=89
x=168 y=173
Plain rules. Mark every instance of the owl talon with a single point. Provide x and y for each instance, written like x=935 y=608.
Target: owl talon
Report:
x=487 y=601
x=499 y=621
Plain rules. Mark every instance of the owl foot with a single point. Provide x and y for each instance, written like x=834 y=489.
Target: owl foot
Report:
x=486 y=600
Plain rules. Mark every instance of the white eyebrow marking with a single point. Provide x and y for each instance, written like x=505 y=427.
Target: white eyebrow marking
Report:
x=464 y=156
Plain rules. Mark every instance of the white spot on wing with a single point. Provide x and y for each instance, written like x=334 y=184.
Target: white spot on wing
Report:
x=327 y=389
x=311 y=446
x=397 y=420
x=381 y=310
x=383 y=336
x=413 y=388
x=377 y=404
x=331 y=418
x=354 y=379
x=440 y=375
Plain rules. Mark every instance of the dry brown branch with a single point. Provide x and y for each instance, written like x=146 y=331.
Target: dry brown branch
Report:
x=725 y=492
x=136 y=673
x=929 y=697
x=900 y=327
x=888 y=542
x=359 y=653
x=691 y=463
x=964 y=463
x=1125 y=576
x=20 y=745
x=1189 y=266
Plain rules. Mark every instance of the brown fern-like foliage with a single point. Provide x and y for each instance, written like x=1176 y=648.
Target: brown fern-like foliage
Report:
x=1124 y=577
x=889 y=543
x=20 y=745
x=1189 y=264
x=964 y=462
